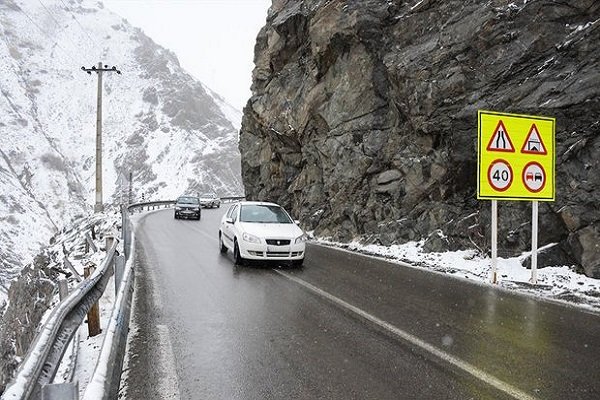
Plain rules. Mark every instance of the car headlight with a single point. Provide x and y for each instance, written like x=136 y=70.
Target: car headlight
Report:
x=250 y=238
x=301 y=238
x=178 y=208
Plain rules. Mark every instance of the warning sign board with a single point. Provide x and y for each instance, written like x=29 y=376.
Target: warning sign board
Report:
x=500 y=140
x=533 y=143
x=516 y=157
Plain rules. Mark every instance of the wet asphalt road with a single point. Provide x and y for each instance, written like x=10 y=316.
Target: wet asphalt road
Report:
x=343 y=327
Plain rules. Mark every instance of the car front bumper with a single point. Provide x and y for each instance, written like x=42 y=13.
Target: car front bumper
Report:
x=255 y=251
x=187 y=213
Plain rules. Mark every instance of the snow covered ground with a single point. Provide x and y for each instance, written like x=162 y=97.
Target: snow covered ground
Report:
x=553 y=283
x=89 y=347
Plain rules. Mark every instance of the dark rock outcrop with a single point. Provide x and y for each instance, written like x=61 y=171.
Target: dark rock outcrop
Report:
x=363 y=118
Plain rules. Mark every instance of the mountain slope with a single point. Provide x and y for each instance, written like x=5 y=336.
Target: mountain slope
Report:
x=160 y=124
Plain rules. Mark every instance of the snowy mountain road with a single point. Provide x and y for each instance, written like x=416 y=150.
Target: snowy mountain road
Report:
x=345 y=326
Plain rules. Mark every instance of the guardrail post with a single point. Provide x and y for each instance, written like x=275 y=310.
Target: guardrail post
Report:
x=73 y=270
x=61 y=391
x=93 y=316
x=63 y=289
x=119 y=269
x=90 y=243
x=109 y=242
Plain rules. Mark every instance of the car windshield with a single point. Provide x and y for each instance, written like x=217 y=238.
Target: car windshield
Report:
x=209 y=195
x=264 y=214
x=187 y=200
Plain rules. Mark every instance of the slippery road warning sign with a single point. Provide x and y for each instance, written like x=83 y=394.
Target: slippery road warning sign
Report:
x=516 y=155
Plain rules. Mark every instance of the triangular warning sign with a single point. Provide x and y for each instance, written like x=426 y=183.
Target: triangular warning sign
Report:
x=500 y=140
x=533 y=143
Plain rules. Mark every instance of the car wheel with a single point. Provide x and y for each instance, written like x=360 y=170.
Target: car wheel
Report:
x=239 y=260
x=176 y=217
x=298 y=263
x=222 y=247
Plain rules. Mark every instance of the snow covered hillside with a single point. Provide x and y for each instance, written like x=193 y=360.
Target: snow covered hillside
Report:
x=160 y=124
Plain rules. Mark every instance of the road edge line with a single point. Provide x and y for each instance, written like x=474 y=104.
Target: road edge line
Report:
x=166 y=383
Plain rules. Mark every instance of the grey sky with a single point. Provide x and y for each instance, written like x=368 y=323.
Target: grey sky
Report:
x=213 y=39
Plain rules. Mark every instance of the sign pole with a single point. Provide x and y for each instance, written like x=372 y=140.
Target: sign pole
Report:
x=534 y=240
x=494 y=240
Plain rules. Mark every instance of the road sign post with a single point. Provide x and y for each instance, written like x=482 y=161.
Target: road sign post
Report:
x=494 y=241
x=534 y=240
x=516 y=161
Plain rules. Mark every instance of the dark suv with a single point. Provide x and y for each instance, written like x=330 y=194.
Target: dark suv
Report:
x=187 y=207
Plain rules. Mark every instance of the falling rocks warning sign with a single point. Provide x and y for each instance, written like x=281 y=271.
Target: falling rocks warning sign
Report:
x=516 y=157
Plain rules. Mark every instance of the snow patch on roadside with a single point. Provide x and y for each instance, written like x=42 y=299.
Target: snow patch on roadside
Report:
x=561 y=283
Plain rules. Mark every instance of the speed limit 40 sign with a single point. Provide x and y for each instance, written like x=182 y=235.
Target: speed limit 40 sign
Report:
x=516 y=157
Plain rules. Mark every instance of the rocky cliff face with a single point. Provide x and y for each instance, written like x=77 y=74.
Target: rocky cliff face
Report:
x=363 y=119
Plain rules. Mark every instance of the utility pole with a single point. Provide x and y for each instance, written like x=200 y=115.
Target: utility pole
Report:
x=98 y=206
x=130 y=197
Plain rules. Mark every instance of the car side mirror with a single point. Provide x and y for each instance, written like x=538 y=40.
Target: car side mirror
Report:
x=229 y=220
x=297 y=221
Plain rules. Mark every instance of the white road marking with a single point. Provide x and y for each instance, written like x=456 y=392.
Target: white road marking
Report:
x=156 y=297
x=463 y=365
x=167 y=382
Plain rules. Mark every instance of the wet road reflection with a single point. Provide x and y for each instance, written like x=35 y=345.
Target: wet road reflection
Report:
x=251 y=333
x=545 y=349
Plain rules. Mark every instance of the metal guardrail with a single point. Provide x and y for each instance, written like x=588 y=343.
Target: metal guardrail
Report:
x=106 y=379
x=233 y=198
x=152 y=205
x=43 y=359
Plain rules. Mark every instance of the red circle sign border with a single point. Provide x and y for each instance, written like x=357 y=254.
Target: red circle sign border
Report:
x=499 y=160
x=523 y=176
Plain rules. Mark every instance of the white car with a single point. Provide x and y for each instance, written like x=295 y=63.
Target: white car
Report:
x=210 y=200
x=261 y=231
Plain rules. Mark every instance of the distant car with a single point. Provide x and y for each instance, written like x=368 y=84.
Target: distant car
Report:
x=187 y=207
x=210 y=200
x=261 y=231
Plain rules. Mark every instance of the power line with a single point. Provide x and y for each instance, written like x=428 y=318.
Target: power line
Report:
x=80 y=26
x=47 y=35
x=49 y=13
x=58 y=24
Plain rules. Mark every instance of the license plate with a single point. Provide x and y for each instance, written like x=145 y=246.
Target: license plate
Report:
x=279 y=248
